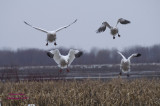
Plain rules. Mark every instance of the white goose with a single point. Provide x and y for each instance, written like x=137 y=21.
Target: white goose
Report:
x=64 y=61
x=125 y=63
x=113 y=30
x=51 y=35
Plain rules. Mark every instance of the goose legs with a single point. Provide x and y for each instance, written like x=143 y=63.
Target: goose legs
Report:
x=55 y=43
x=67 y=70
x=60 y=70
x=120 y=73
x=47 y=43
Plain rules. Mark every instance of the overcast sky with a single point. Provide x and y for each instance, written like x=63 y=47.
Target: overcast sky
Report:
x=144 y=29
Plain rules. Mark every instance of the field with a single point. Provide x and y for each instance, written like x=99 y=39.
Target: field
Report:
x=82 y=92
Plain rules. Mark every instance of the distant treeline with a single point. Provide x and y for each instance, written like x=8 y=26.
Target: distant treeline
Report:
x=32 y=57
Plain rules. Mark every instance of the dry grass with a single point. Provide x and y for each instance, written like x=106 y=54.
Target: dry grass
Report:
x=81 y=93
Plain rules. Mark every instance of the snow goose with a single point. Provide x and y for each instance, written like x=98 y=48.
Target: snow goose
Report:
x=125 y=63
x=64 y=61
x=113 y=30
x=51 y=35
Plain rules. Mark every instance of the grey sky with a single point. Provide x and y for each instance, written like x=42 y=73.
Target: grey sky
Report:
x=144 y=29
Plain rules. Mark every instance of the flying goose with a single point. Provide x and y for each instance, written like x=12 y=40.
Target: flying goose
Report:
x=125 y=63
x=113 y=30
x=51 y=35
x=64 y=61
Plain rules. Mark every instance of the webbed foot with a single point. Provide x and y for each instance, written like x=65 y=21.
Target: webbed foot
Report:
x=55 y=43
x=67 y=70
x=120 y=73
x=60 y=71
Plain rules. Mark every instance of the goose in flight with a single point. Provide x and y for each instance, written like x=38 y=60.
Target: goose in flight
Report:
x=113 y=30
x=125 y=63
x=64 y=61
x=51 y=35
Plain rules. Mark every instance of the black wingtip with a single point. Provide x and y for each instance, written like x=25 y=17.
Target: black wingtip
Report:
x=128 y=22
x=125 y=22
x=25 y=22
x=100 y=30
x=78 y=54
x=49 y=54
x=97 y=31
x=138 y=55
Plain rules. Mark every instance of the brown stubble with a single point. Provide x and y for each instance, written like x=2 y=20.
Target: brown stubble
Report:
x=85 y=92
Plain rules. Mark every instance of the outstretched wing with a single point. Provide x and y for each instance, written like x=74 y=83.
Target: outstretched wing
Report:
x=65 y=26
x=123 y=21
x=73 y=55
x=35 y=27
x=55 y=55
x=102 y=28
x=121 y=55
x=134 y=55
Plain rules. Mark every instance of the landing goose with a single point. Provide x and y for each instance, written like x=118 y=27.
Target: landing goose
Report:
x=51 y=35
x=125 y=63
x=113 y=30
x=64 y=61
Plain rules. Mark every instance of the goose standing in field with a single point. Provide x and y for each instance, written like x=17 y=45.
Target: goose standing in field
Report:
x=113 y=30
x=64 y=61
x=51 y=35
x=125 y=63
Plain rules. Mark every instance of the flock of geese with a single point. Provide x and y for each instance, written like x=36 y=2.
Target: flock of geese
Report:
x=65 y=61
